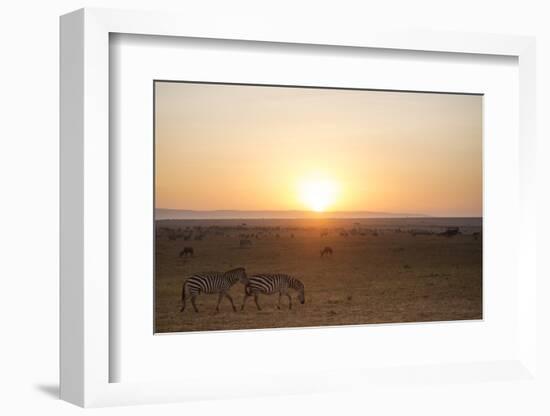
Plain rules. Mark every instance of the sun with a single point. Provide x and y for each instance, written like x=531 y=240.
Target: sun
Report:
x=318 y=194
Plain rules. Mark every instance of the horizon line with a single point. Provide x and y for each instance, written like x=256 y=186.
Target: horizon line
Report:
x=287 y=213
x=310 y=214
x=284 y=210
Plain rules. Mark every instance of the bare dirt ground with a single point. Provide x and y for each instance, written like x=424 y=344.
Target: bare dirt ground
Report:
x=379 y=273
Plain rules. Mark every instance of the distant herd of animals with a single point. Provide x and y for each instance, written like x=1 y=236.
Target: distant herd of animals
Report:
x=258 y=284
x=246 y=239
x=199 y=233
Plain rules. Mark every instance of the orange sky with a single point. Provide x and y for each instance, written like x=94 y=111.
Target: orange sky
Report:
x=265 y=148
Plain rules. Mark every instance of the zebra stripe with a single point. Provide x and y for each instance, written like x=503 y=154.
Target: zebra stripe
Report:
x=211 y=283
x=269 y=284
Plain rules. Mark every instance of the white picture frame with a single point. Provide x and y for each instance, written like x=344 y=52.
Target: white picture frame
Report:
x=85 y=210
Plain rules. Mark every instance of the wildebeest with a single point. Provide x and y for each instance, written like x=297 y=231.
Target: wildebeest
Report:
x=245 y=243
x=327 y=250
x=414 y=233
x=450 y=232
x=187 y=251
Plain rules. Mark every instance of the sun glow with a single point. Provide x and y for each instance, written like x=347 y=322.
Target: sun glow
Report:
x=318 y=194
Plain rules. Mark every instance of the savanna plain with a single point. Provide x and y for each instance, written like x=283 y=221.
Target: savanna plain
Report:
x=380 y=271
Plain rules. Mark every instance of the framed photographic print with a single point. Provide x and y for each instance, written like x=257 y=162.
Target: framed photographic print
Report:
x=322 y=199
x=365 y=203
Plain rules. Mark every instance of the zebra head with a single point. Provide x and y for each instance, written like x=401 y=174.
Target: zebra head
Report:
x=238 y=274
x=299 y=287
x=302 y=296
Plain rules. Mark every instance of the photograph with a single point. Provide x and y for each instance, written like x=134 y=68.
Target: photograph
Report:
x=280 y=206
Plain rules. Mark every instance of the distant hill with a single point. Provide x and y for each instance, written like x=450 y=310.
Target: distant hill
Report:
x=184 y=214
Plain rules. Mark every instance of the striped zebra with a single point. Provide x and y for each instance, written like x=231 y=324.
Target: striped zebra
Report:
x=211 y=283
x=269 y=284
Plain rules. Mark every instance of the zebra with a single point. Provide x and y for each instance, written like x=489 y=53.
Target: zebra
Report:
x=210 y=283
x=269 y=284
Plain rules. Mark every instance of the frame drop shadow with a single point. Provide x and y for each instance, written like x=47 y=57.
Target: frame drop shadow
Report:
x=51 y=390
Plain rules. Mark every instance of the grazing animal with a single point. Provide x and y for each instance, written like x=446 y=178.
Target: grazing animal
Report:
x=476 y=235
x=327 y=251
x=414 y=233
x=186 y=251
x=269 y=284
x=450 y=232
x=245 y=243
x=212 y=283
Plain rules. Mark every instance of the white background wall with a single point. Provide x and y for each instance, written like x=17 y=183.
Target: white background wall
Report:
x=29 y=206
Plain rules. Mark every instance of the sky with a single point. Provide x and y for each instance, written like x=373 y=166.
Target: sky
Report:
x=242 y=147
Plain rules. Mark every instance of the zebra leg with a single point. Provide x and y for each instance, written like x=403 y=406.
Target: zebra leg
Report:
x=244 y=301
x=257 y=304
x=289 y=301
x=279 y=303
x=231 y=300
x=193 y=303
x=220 y=296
